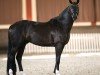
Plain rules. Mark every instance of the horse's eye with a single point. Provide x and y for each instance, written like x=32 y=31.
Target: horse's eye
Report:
x=77 y=12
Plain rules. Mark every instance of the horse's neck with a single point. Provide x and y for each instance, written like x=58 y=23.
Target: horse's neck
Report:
x=66 y=20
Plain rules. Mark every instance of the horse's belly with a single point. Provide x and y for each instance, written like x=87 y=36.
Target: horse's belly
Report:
x=42 y=41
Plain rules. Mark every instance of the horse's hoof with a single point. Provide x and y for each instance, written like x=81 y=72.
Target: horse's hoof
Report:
x=10 y=72
x=57 y=72
x=22 y=73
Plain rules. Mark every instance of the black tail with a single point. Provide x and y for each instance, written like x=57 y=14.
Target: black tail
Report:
x=9 y=42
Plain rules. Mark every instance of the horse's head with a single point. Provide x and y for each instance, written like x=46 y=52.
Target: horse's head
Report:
x=73 y=9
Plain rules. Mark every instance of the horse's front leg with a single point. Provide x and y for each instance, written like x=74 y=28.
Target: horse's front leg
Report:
x=58 y=48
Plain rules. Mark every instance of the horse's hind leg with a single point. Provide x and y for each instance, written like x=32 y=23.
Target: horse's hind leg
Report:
x=19 y=56
x=13 y=45
x=11 y=65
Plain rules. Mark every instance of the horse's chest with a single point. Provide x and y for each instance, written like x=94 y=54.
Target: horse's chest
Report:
x=63 y=38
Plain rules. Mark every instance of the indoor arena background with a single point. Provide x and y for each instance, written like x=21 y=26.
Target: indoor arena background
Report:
x=81 y=55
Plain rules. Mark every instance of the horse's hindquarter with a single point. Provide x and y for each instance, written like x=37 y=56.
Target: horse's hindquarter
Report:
x=17 y=32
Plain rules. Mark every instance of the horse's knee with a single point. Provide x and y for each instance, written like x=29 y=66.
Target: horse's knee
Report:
x=18 y=57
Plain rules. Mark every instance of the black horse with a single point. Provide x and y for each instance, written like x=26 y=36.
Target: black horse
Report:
x=55 y=33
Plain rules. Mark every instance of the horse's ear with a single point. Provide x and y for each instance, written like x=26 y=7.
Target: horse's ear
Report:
x=70 y=1
x=77 y=2
x=74 y=2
